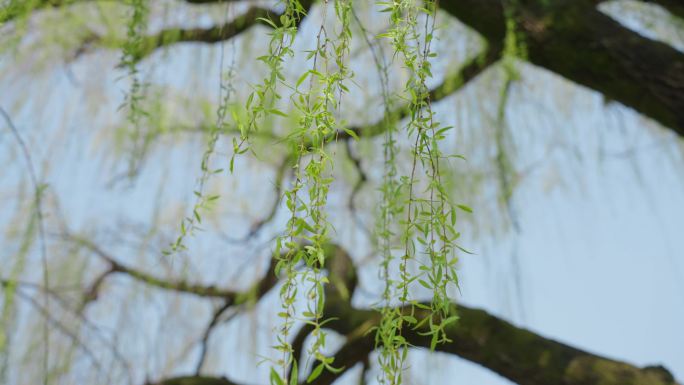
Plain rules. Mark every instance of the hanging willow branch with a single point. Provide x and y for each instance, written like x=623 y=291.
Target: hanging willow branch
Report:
x=430 y=216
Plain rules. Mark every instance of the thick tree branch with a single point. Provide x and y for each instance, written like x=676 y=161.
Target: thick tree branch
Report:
x=575 y=40
x=168 y=36
x=210 y=1
x=520 y=355
x=209 y=35
x=675 y=7
x=194 y=380
x=213 y=34
x=18 y=8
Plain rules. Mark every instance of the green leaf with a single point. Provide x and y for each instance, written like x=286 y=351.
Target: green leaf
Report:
x=277 y=112
x=275 y=378
x=302 y=78
x=450 y=320
x=465 y=208
x=465 y=250
x=433 y=341
x=351 y=133
x=315 y=373
x=294 y=375
x=269 y=22
x=331 y=368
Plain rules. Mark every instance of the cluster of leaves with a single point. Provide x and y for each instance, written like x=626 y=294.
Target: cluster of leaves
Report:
x=261 y=102
x=191 y=223
x=308 y=228
x=514 y=48
x=131 y=53
x=17 y=9
x=420 y=197
x=430 y=217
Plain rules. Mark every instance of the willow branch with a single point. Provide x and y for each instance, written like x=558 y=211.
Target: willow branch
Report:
x=209 y=35
x=298 y=344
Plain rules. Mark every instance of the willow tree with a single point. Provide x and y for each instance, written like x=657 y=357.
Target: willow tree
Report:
x=336 y=103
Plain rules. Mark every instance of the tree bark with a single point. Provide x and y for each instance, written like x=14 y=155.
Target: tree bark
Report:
x=573 y=39
x=515 y=353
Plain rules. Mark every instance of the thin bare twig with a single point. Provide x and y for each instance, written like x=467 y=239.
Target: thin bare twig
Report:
x=38 y=201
